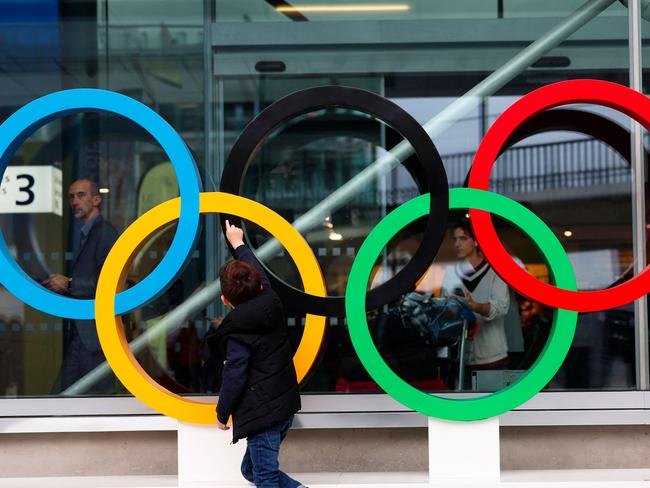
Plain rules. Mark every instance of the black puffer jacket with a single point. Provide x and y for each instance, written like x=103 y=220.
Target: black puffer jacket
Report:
x=271 y=393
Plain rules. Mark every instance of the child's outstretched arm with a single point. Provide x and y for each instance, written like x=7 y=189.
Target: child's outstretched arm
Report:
x=235 y=236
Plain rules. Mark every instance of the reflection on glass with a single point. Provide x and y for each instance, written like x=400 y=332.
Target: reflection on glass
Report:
x=154 y=55
x=564 y=178
x=300 y=165
x=425 y=59
x=579 y=186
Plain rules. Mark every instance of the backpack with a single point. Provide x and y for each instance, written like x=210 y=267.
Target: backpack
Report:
x=438 y=320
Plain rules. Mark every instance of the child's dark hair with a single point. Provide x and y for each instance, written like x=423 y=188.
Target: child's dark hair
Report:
x=239 y=282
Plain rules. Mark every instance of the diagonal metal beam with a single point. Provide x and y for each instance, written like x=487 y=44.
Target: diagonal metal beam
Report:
x=294 y=15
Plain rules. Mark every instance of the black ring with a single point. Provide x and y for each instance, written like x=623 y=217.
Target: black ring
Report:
x=312 y=99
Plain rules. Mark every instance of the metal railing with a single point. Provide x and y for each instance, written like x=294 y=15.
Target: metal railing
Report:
x=562 y=165
x=556 y=166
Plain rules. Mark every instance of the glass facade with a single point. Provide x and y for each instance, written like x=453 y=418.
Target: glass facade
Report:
x=209 y=67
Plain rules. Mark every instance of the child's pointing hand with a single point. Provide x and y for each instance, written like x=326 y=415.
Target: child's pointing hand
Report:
x=235 y=235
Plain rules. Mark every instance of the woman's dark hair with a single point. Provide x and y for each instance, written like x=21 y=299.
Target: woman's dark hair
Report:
x=465 y=225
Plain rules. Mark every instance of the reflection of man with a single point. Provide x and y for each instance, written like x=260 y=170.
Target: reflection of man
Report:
x=81 y=351
x=487 y=296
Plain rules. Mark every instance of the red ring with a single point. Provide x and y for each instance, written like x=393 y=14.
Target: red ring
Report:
x=613 y=95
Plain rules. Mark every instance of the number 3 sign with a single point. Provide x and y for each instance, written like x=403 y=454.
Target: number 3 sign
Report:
x=31 y=189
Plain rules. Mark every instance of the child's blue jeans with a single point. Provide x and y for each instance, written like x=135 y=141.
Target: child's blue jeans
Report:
x=260 y=464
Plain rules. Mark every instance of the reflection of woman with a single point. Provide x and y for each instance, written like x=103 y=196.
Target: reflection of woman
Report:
x=487 y=296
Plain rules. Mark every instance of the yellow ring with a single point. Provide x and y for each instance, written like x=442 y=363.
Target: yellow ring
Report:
x=113 y=275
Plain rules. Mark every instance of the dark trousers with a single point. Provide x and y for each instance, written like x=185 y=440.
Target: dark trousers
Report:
x=79 y=361
x=260 y=464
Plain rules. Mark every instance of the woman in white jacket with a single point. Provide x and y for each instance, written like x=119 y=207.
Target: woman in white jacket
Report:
x=487 y=295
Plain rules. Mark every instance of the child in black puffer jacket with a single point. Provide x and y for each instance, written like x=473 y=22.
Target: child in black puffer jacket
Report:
x=259 y=387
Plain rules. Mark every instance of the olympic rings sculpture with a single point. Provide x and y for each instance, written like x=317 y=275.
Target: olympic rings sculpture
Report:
x=526 y=116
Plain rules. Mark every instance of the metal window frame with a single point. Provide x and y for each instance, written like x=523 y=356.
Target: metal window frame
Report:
x=638 y=189
x=28 y=415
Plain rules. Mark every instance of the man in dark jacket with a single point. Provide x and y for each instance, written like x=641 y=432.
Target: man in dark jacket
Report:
x=81 y=349
x=259 y=387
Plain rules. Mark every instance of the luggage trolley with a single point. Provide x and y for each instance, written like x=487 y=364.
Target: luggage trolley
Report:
x=441 y=322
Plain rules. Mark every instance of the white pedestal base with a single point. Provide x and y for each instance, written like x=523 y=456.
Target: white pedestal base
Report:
x=464 y=451
x=206 y=455
x=458 y=452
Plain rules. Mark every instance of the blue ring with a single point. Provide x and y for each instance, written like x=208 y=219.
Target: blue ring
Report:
x=20 y=125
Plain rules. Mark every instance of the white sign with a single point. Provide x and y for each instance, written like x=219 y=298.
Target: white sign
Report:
x=31 y=189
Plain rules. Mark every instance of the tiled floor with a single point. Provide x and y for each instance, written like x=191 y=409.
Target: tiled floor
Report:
x=631 y=478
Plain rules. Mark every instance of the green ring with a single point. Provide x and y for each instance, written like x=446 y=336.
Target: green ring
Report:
x=519 y=392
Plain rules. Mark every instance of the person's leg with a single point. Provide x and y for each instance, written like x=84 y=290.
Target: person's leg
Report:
x=247 y=466
x=284 y=428
x=71 y=368
x=87 y=361
x=287 y=481
x=106 y=385
x=264 y=450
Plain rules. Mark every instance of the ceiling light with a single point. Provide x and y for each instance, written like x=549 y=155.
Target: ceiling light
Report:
x=104 y=190
x=568 y=233
x=335 y=236
x=370 y=7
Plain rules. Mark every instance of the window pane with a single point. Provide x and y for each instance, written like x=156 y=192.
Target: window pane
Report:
x=455 y=69
x=153 y=53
